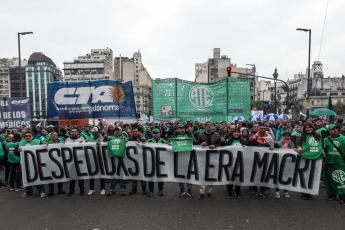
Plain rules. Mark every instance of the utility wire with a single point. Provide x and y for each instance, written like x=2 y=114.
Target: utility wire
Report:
x=323 y=29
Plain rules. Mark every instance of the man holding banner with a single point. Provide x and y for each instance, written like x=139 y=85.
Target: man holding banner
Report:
x=75 y=138
x=182 y=141
x=28 y=141
x=212 y=140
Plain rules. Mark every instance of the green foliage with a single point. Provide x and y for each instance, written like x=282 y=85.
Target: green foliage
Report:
x=339 y=108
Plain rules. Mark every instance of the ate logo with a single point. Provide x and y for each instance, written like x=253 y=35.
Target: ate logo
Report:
x=201 y=96
x=313 y=142
x=338 y=176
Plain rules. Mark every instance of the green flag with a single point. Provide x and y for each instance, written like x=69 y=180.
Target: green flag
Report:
x=182 y=144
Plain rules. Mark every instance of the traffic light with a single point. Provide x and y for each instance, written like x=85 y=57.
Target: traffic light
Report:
x=106 y=77
x=228 y=69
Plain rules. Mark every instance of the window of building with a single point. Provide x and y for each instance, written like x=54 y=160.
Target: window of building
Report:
x=334 y=94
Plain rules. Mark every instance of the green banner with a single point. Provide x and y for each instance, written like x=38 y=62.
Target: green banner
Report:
x=219 y=101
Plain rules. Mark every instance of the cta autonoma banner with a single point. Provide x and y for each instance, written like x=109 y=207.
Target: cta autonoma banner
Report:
x=15 y=112
x=90 y=99
x=245 y=166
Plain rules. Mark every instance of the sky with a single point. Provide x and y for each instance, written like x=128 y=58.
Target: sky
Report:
x=174 y=35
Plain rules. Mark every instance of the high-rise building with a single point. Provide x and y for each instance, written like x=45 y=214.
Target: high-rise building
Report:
x=215 y=69
x=39 y=72
x=132 y=69
x=95 y=66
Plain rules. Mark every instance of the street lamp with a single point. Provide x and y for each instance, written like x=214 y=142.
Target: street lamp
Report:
x=20 y=62
x=275 y=76
x=254 y=69
x=308 y=82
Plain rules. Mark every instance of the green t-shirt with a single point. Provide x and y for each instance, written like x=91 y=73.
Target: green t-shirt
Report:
x=161 y=140
x=320 y=130
x=86 y=135
x=290 y=146
x=125 y=134
x=296 y=134
x=332 y=154
x=12 y=158
x=182 y=143
x=235 y=142
x=312 y=149
x=96 y=140
x=2 y=152
x=116 y=147
x=33 y=142
x=2 y=137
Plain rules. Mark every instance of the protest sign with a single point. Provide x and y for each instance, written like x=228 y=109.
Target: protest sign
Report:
x=244 y=166
x=15 y=112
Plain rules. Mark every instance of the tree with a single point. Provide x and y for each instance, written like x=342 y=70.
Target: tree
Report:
x=258 y=104
x=296 y=109
x=270 y=108
x=339 y=108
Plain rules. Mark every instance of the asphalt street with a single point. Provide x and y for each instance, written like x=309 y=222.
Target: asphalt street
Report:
x=167 y=212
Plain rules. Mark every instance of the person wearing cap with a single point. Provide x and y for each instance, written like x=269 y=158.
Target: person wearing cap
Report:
x=156 y=139
x=138 y=137
x=181 y=133
x=54 y=139
x=118 y=136
x=283 y=128
x=86 y=134
x=334 y=151
x=211 y=139
x=320 y=129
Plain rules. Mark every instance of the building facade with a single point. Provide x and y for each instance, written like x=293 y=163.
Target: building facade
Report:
x=39 y=72
x=215 y=69
x=5 y=85
x=95 y=66
x=132 y=69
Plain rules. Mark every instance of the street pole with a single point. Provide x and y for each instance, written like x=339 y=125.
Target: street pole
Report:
x=254 y=70
x=20 y=63
x=275 y=76
x=308 y=81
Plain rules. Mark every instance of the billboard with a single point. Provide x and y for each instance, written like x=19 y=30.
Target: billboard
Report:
x=90 y=99
x=219 y=101
x=15 y=112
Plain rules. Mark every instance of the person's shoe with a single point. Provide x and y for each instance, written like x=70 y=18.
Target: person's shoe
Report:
x=110 y=193
x=286 y=194
x=238 y=195
x=61 y=192
x=43 y=195
x=19 y=189
x=90 y=192
x=331 y=197
x=81 y=193
x=230 y=195
x=50 y=194
x=150 y=194
x=123 y=193
x=160 y=193
x=132 y=192
x=70 y=193
x=11 y=189
x=277 y=194
x=145 y=192
x=254 y=194
x=264 y=195
x=210 y=195
x=103 y=192
x=200 y=196
x=24 y=194
x=190 y=193
x=181 y=193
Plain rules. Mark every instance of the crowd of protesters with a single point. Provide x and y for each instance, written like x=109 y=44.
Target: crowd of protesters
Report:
x=312 y=138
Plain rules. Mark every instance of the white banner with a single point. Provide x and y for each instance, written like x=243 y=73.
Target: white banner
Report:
x=245 y=166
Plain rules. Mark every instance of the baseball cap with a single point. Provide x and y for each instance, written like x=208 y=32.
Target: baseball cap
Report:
x=94 y=130
x=118 y=127
x=330 y=127
x=180 y=126
x=155 y=131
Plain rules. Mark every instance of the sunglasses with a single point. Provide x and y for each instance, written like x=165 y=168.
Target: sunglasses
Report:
x=28 y=135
